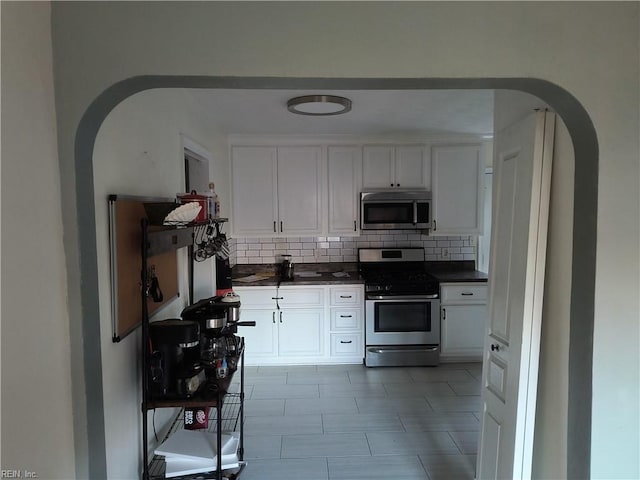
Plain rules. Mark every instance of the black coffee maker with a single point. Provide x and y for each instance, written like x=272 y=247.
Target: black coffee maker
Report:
x=175 y=366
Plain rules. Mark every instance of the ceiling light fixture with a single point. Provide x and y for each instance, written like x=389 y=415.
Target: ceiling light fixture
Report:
x=319 y=105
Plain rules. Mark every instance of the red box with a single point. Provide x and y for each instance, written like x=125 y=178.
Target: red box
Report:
x=196 y=418
x=203 y=200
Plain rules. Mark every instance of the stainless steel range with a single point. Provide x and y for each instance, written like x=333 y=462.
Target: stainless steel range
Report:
x=402 y=308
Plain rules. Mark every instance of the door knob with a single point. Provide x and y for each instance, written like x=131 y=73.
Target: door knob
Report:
x=495 y=347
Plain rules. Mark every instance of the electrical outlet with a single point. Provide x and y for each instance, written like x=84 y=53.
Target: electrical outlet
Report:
x=445 y=253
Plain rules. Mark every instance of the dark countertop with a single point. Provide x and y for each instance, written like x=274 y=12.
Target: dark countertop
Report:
x=456 y=271
x=347 y=274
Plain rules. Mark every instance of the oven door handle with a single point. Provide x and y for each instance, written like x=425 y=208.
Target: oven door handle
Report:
x=400 y=298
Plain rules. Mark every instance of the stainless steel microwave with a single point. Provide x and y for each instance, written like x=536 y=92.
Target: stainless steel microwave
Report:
x=395 y=210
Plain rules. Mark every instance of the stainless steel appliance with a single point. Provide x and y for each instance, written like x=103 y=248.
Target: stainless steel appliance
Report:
x=402 y=308
x=392 y=209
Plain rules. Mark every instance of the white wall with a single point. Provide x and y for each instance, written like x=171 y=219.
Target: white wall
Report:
x=138 y=151
x=588 y=48
x=37 y=419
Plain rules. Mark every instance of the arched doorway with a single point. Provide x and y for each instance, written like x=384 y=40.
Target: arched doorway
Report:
x=585 y=199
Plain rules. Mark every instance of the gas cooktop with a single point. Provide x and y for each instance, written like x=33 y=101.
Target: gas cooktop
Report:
x=396 y=271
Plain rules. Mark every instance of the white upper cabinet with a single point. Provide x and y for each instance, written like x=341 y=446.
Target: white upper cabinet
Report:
x=345 y=164
x=307 y=190
x=255 y=201
x=412 y=167
x=457 y=178
x=277 y=191
x=395 y=166
x=299 y=190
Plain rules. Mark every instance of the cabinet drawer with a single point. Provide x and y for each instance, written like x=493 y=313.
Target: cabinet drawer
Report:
x=302 y=297
x=346 y=296
x=346 y=319
x=346 y=344
x=463 y=292
x=256 y=297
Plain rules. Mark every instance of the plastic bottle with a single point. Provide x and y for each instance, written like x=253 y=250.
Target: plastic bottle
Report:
x=214 y=202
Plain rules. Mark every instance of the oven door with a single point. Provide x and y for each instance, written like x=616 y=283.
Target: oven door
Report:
x=402 y=320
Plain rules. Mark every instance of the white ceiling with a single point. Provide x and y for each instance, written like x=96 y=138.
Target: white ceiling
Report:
x=374 y=112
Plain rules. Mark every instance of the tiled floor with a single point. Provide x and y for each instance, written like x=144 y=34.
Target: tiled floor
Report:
x=347 y=422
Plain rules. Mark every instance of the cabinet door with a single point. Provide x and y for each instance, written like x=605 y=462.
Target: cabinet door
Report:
x=300 y=190
x=457 y=178
x=254 y=199
x=378 y=166
x=344 y=189
x=261 y=340
x=412 y=167
x=300 y=332
x=463 y=329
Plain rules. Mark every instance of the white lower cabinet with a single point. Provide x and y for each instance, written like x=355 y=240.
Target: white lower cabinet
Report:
x=300 y=332
x=463 y=315
x=262 y=337
x=303 y=324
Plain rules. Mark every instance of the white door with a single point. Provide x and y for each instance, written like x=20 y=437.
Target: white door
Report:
x=344 y=188
x=300 y=190
x=462 y=329
x=457 y=176
x=412 y=167
x=523 y=155
x=378 y=166
x=255 y=204
x=300 y=332
x=261 y=340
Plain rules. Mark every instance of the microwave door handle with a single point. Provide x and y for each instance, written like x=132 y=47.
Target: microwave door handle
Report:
x=415 y=212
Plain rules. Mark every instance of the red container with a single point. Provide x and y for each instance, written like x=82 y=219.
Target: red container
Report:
x=196 y=418
x=203 y=200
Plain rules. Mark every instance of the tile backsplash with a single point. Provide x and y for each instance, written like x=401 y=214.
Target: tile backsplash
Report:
x=345 y=249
